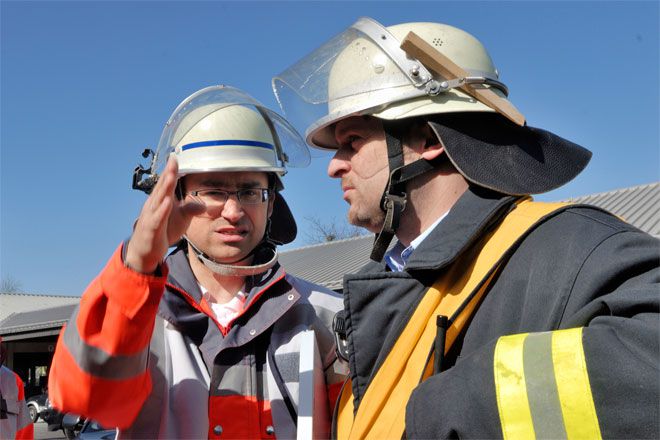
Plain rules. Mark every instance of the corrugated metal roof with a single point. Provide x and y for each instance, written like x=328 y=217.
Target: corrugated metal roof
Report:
x=326 y=263
x=22 y=302
x=52 y=317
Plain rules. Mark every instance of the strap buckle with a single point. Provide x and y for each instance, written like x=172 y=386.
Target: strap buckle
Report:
x=341 y=341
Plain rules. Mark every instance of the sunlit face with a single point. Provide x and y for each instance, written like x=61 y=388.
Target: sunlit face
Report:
x=361 y=164
x=231 y=231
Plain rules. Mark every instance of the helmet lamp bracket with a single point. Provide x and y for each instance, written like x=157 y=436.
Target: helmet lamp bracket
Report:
x=147 y=184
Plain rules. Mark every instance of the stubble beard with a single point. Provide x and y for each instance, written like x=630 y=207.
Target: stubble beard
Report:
x=371 y=220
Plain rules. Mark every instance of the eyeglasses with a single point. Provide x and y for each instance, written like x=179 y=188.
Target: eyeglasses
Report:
x=217 y=197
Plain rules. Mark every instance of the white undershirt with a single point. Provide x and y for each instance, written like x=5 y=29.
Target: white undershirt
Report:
x=225 y=313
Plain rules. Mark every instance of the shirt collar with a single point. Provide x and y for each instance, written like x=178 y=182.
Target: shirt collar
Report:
x=240 y=295
x=397 y=257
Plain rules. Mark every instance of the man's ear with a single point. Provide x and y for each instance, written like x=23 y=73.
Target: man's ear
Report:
x=433 y=147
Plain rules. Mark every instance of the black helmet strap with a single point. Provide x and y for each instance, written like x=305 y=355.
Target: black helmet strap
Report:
x=393 y=201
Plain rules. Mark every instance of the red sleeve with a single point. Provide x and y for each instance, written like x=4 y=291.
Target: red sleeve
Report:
x=26 y=433
x=101 y=355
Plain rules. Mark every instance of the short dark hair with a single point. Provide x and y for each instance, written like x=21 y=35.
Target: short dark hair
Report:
x=272 y=181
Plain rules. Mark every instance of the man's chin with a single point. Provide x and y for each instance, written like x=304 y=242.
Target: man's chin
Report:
x=238 y=259
x=229 y=254
x=369 y=223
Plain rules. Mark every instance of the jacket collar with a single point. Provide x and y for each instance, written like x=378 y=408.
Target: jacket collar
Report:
x=181 y=301
x=474 y=212
x=182 y=277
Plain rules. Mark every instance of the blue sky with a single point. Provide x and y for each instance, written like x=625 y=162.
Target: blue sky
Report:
x=85 y=86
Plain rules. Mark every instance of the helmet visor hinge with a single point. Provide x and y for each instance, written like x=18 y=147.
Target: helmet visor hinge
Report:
x=434 y=87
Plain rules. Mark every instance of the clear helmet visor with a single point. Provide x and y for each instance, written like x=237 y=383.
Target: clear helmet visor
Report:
x=221 y=128
x=348 y=74
x=363 y=70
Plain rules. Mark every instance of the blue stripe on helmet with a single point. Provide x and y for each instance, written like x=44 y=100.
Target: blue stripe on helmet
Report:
x=228 y=142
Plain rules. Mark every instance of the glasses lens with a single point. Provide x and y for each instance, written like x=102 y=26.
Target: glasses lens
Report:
x=215 y=197
x=212 y=197
x=252 y=196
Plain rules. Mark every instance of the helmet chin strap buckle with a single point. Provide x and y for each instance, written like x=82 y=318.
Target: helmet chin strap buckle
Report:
x=395 y=198
x=393 y=205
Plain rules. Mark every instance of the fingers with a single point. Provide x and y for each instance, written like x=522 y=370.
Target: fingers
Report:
x=157 y=208
x=166 y=182
x=150 y=239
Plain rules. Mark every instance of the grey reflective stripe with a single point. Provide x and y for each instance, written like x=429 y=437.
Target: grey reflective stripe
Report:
x=234 y=380
x=23 y=415
x=150 y=419
x=98 y=362
x=239 y=380
x=542 y=394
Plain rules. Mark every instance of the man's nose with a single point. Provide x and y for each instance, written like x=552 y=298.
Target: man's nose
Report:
x=232 y=209
x=338 y=165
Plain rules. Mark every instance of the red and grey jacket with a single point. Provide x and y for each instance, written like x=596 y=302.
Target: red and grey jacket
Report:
x=145 y=354
x=15 y=422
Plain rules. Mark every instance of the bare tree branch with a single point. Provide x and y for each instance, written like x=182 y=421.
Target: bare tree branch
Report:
x=10 y=285
x=331 y=230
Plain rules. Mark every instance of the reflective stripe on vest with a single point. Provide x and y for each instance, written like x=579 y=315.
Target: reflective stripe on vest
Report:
x=456 y=294
x=543 y=388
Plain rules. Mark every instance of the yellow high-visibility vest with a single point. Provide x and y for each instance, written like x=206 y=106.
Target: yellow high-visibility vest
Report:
x=456 y=294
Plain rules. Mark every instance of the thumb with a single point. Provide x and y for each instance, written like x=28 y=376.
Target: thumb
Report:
x=192 y=208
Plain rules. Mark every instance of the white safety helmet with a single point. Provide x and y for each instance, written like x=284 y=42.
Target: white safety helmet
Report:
x=223 y=129
x=363 y=71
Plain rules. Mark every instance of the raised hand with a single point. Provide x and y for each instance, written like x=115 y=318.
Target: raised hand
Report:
x=162 y=222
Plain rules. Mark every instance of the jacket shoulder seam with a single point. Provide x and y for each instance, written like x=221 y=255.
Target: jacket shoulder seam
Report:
x=584 y=261
x=578 y=210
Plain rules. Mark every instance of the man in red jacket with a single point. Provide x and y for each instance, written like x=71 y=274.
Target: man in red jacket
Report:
x=15 y=422
x=208 y=341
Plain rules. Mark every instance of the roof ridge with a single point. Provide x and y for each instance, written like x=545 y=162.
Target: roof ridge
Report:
x=40 y=294
x=612 y=191
x=325 y=243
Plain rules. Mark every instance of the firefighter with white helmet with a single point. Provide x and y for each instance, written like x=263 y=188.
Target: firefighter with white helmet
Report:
x=484 y=289
x=187 y=335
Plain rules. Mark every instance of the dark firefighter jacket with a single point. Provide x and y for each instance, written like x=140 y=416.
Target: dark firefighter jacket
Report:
x=582 y=269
